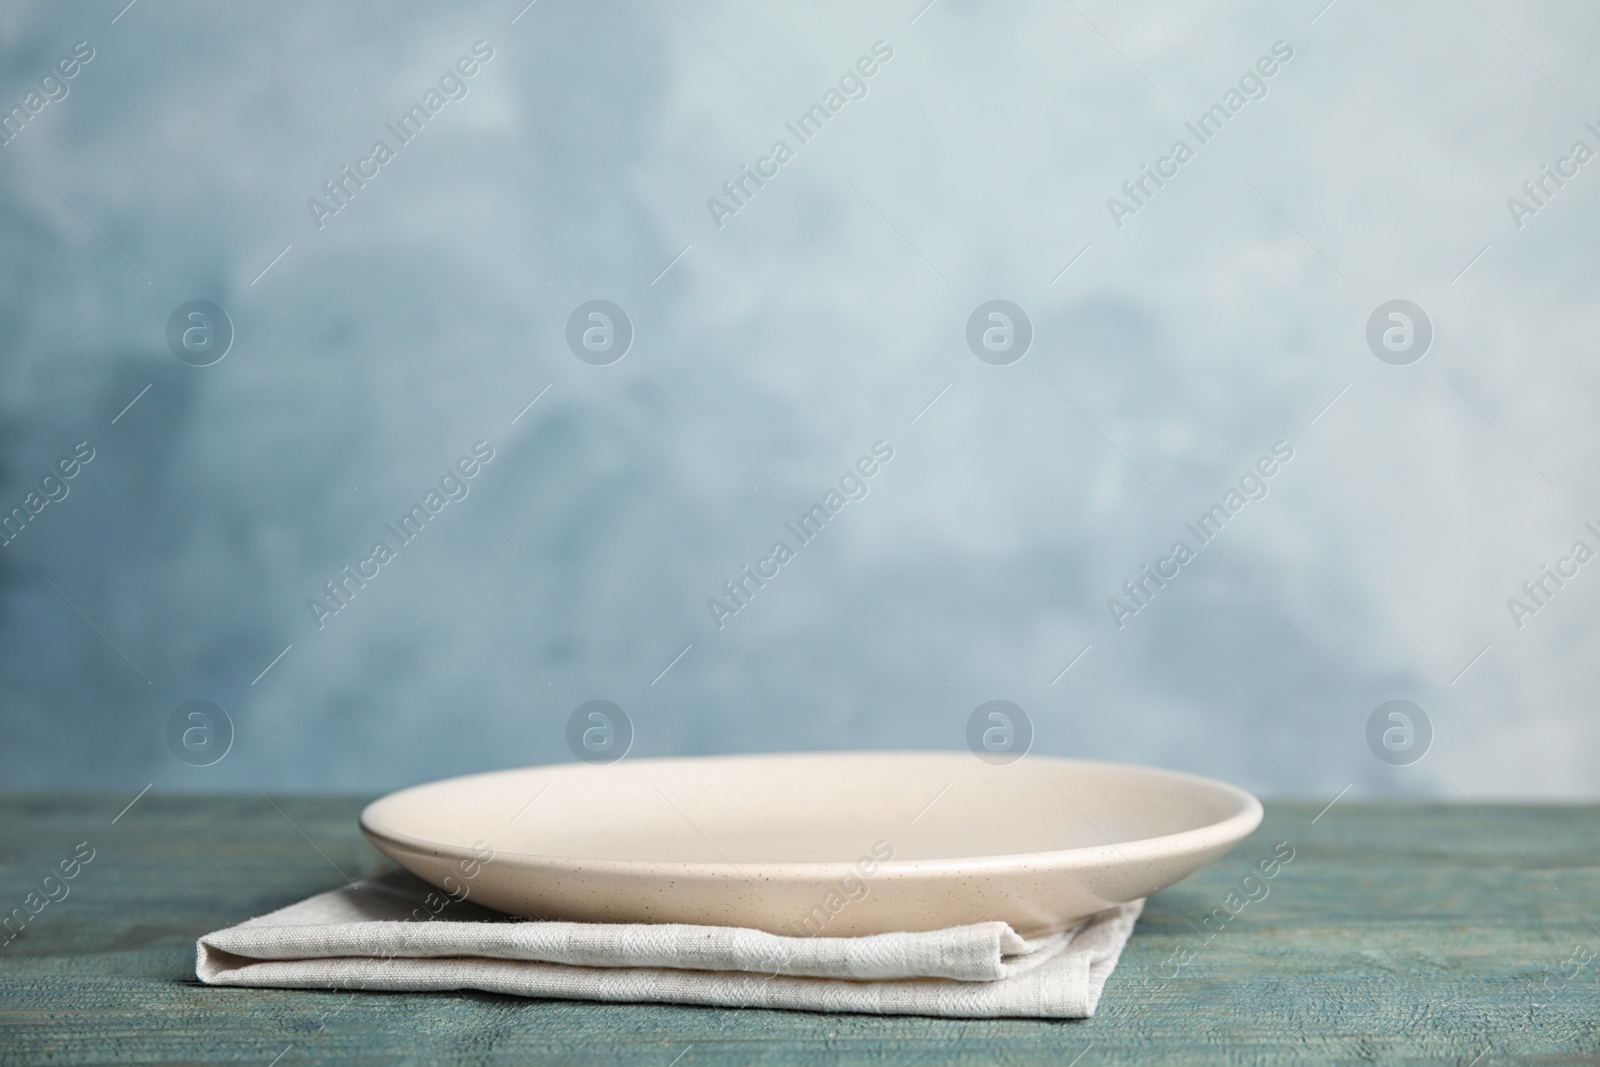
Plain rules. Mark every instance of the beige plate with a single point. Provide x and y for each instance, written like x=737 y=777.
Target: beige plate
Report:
x=837 y=844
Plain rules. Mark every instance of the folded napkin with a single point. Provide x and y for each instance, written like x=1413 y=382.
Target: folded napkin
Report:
x=365 y=936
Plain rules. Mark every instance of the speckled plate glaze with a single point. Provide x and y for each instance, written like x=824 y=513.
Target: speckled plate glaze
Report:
x=822 y=844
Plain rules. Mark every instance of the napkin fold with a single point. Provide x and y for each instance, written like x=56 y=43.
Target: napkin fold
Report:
x=365 y=936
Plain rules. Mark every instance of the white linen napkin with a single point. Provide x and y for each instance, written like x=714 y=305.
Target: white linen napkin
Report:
x=365 y=936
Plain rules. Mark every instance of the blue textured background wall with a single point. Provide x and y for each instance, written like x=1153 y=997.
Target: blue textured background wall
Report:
x=772 y=348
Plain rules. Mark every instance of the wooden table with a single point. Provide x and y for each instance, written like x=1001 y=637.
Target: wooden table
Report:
x=1398 y=933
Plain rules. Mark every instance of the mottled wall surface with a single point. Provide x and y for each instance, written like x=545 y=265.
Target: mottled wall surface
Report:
x=1180 y=331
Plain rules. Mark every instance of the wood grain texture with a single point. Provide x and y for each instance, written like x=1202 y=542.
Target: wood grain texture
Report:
x=1398 y=933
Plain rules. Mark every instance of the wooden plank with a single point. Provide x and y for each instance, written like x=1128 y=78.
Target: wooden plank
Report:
x=1397 y=933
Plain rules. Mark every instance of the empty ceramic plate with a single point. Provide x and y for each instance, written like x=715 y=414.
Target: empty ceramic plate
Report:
x=826 y=844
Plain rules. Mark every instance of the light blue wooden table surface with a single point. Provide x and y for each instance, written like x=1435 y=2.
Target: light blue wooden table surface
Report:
x=1399 y=933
